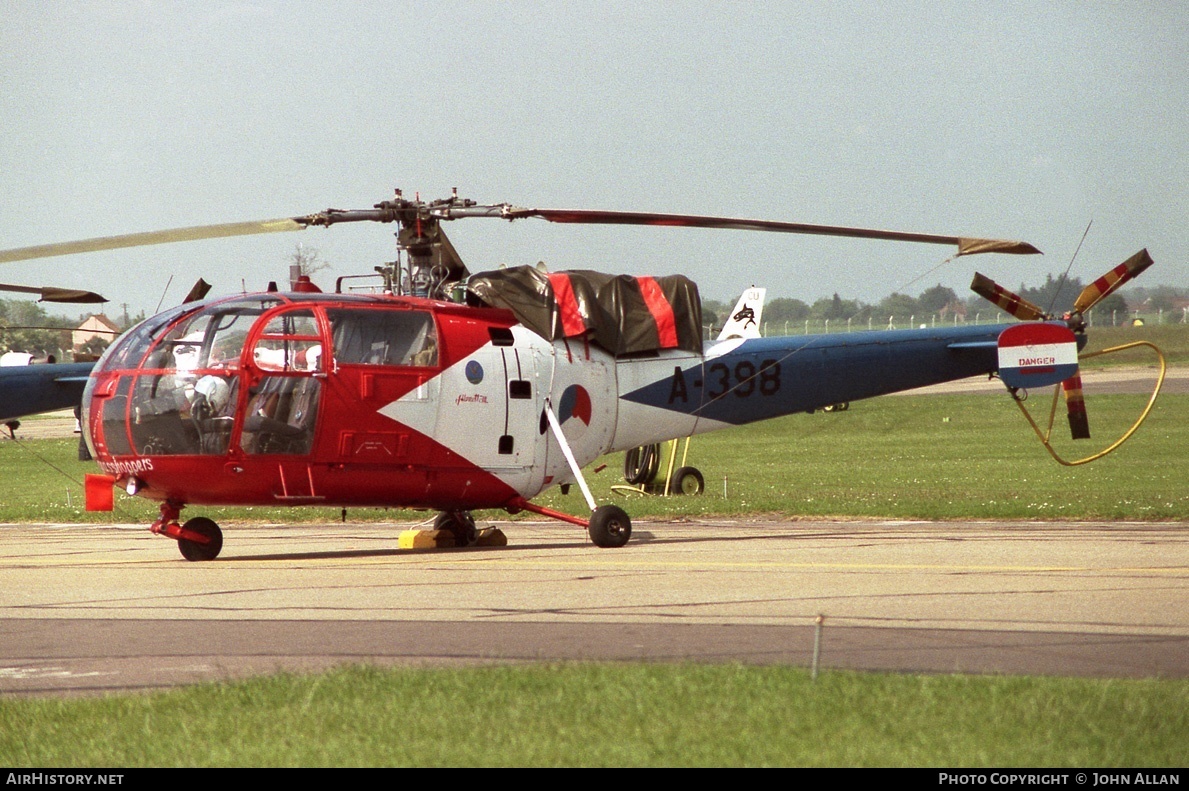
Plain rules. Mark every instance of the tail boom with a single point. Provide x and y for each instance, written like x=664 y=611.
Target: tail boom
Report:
x=745 y=381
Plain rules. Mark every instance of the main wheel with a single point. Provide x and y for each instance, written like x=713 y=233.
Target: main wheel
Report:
x=687 y=480
x=460 y=524
x=192 y=550
x=609 y=526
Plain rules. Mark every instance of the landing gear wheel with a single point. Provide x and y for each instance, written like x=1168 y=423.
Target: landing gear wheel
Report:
x=841 y=406
x=609 y=526
x=687 y=480
x=460 y=524
x=192 y=550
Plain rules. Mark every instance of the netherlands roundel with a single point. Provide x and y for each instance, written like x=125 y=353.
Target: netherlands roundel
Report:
x=575 y=403
x=1036 y=355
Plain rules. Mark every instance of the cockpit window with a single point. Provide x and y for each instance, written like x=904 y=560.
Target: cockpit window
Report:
x=212 y=338
x=181 y=414
x=184 y=397
x=128 y=350
x=290 y=342
x=384 y=337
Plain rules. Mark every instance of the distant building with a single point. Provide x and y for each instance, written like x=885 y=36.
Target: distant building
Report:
x=96 y=326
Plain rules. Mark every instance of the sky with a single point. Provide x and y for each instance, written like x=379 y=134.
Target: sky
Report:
x=1017 y=120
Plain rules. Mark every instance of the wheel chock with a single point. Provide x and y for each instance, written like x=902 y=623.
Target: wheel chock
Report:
x=491 y=537
x=444 y=539
x=426 y=539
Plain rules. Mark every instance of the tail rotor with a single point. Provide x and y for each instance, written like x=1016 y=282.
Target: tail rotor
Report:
x=1046 y=353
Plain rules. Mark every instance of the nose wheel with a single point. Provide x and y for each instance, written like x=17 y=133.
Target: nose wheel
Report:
x=205 y=541
x=198 y=539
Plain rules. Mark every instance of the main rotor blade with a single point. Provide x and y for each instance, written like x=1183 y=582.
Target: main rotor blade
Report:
x=152 y=237
x=52 y=294
x=1014 y=304
x=966 y=245
x=1106 y=285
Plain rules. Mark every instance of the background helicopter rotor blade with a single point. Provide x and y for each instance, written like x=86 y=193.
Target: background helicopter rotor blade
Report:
x=52 y=294
x=1007 y=301
x=152 y=237
x=1110 y=282
x=197 y=291
x=966 y=245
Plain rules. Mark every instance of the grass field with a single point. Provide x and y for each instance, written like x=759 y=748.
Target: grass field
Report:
x=1173 y=340
x=613 y=715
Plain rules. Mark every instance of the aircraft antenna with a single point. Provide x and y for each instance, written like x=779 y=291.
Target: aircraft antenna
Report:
x=164 y=291
x=1065 y=274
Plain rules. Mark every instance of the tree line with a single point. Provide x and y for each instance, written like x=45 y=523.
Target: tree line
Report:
x=1056 y=295
x=25 y=326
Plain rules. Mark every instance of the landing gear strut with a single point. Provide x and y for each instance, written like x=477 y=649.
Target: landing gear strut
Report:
x=608 y=526
x=460 y=524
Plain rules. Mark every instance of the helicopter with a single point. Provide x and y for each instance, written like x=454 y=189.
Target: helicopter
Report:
x=45 y=387
x=454 y=391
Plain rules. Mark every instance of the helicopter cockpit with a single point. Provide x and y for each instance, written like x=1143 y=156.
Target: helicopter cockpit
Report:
x=178 y=379
x=183 y=382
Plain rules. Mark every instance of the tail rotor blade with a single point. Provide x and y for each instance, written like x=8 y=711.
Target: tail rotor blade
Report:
x=1075 y=404
x=998 y=295
x=1106 y=285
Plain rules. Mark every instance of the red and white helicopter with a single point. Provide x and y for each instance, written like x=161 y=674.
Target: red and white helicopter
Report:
x=454 y=392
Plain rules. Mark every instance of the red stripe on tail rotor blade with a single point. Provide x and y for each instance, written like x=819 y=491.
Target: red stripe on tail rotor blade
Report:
x=1002 y=298
x=661 y=310
x=567 y=303
x=1107 y=284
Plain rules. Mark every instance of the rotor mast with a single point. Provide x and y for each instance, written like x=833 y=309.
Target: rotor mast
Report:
x=430 y=261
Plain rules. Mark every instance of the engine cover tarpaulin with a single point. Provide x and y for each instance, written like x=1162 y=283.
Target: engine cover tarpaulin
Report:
x=621 y=313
